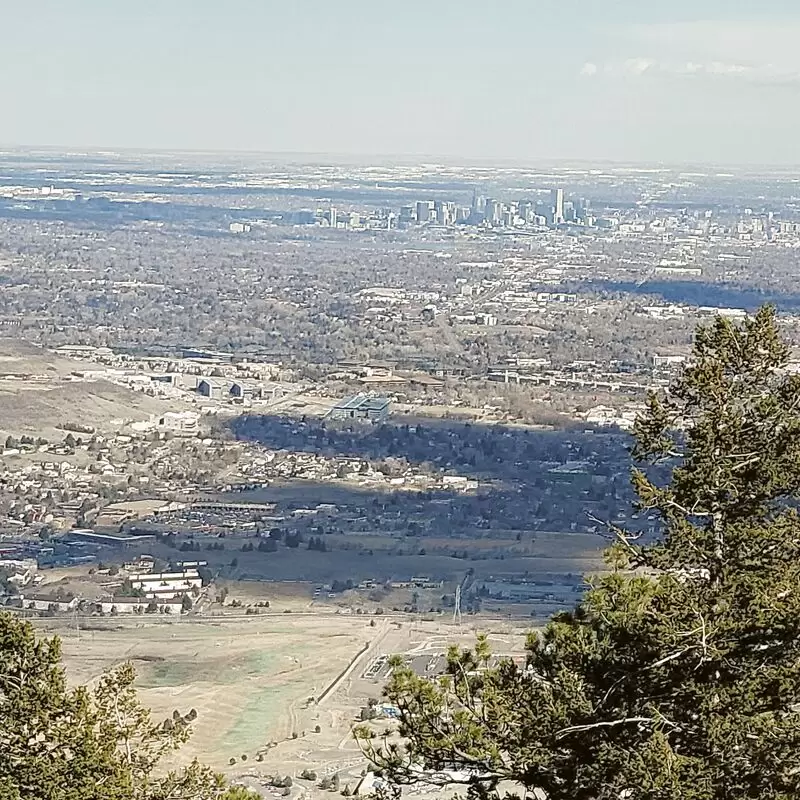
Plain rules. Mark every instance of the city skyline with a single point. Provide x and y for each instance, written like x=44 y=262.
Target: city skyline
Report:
x=617 y=83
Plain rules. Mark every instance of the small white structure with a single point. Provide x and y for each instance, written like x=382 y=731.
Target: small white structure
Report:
x=667 y=360
x=179 y=422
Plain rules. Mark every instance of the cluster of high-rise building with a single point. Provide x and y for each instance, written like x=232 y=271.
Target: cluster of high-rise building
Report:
x=549 y=212
x=557 y=210
x=489 y=212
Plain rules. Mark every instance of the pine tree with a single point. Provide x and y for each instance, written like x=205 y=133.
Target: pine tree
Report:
x=62 y=743
x=678 y=675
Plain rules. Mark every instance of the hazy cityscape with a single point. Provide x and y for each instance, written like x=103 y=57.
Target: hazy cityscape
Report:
x=367 y=386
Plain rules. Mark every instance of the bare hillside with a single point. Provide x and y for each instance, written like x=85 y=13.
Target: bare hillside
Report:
x=38 y=393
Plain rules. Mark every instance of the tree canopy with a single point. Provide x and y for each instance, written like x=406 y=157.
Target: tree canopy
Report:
x=678 y=674
x=74 y=743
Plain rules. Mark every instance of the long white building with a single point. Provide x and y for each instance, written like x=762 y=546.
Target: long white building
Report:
x=167 y=585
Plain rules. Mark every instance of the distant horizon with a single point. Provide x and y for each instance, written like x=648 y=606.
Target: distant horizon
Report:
x=386 y=159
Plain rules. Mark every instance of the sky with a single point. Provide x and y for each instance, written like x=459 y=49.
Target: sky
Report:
x=644 y=81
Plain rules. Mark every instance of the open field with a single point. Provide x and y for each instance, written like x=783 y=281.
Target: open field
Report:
x=316 y=567
x=245 y=678
x=250 y=679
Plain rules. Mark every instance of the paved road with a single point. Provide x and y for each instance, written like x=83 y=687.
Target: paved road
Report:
x=368 y=653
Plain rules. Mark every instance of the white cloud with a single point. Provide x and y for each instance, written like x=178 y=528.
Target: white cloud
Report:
x=721 y=68
x=690 y=68
x=757 y=74
x=760 y=48
x=760 y=74
x=638 y=66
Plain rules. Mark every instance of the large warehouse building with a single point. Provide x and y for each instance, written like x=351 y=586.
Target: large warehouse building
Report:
x=361 y=406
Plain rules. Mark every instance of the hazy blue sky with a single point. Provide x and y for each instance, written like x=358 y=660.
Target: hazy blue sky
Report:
x=632 y=80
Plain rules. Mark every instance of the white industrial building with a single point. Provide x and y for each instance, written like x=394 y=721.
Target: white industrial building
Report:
x=137 y=607
x=167 y=585
x=46 y=603
x=179 y=422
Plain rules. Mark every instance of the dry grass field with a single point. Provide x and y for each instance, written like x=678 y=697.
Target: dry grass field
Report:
x=250 y=678
x=246 y=677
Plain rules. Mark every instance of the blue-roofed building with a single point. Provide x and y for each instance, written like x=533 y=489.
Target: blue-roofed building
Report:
x=363 y=407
